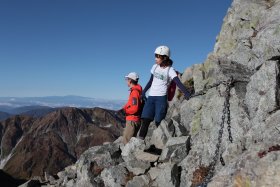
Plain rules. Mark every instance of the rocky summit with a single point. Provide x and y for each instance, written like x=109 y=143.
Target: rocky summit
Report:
x=227 y=134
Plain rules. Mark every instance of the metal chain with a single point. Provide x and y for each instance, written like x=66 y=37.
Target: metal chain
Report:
x=226 y=111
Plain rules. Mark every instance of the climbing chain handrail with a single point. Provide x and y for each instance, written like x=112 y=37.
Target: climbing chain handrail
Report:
x=226 y=111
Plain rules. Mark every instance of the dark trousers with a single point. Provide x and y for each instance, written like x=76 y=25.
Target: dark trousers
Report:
x=145 y=127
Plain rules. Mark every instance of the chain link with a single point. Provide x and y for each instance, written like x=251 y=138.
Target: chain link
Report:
x=226 y=111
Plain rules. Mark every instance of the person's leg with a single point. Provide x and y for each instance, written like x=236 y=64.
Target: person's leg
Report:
x=144 y=128
x=160 y=109
x=128 y=131
x=147 y=116
x=136 y=128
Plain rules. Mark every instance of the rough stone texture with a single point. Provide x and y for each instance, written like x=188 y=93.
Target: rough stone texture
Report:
x=114 y=176
x=175 y=150
x=262 y=94
x=137 y=167
x=143 y=156
x=138 y=181
x=250 y=32
x=154 y=173
x=131 y=147
x=95 y=160
x=216 y=70
x=169 y=175
x=162 y=134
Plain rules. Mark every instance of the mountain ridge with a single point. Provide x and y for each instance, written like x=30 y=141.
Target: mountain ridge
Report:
x=7 y=104
x=32 y=146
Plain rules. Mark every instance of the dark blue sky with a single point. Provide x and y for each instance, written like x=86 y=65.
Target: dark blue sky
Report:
x=86 y=47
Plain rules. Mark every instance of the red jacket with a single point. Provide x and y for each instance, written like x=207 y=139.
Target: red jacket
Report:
x=132 y=106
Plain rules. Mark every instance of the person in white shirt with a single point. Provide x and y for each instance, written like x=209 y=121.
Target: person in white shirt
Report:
x=162 y=73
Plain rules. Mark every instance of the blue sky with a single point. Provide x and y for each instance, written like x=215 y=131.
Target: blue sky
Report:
x=86 y=47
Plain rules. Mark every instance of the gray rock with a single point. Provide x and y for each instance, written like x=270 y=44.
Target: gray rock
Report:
x=114 y=176
x=131 y=147
x=154 y=172
x=263 y=91
x=139 y=181
x=169 y=175
x=175 y=150
x=216 y=70
x=144 y=156
x=162 y=134
x=137 y=167
x=253 y=28
x=84 y=172
x=180 y=129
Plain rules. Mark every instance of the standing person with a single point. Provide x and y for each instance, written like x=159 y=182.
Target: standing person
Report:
x=162 y=73
x=132 y=107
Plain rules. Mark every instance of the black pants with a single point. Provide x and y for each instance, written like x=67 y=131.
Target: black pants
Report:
x=145 y=126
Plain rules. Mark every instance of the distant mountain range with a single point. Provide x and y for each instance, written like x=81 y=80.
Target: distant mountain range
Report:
x=4 y=115
x=39 y=106
x=31 y=146
x=59 y=101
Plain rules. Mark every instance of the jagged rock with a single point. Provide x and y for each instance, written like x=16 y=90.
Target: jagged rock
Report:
x=154 y=173
x=188 y=74
x=151 y=129
x=138 y=181
x=94 y=161
x=160 y=135
x=175 y=150
x=205 y=126
x=131 y=147
x=137 y=167
x=68 y=172
x=114 y=176
x=180 y=129
x=169 y=175
x=262 y=94
x=191 y=114
x=249 y=32
x=143 y=156
x=216 y=70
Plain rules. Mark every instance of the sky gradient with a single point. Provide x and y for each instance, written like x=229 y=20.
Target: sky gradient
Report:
x=86 y=47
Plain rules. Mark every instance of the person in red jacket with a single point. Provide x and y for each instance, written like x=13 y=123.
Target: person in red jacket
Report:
x=132 y=108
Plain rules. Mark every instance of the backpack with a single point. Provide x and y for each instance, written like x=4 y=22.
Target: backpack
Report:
x=171 y=88
x=141 y=104
x=172 y=85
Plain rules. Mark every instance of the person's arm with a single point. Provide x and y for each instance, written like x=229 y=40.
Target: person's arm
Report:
x=149 y=84
x=132 y=105
x=182 y=87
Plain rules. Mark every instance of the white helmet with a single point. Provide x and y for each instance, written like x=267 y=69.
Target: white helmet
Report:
x=133 y=76
x=162 y=50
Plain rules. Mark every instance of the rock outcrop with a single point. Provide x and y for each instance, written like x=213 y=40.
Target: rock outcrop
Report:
x=227 y=134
